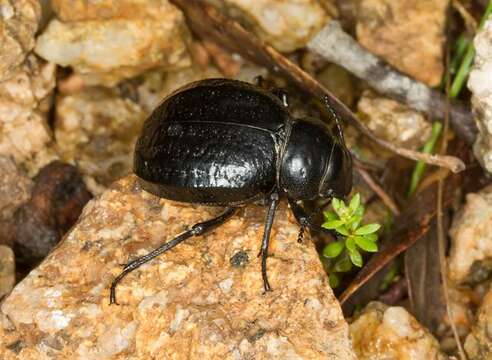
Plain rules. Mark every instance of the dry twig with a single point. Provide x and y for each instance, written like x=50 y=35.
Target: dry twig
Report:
x=385 y=198
x=441 y=238
x=336 y=46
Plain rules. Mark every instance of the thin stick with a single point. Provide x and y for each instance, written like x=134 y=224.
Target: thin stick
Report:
x=385 y=198
x=470 y=22
x=336 y=46
x=440 y=228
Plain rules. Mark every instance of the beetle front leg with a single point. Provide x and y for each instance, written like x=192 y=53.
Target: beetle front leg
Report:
x=304 y=221
x=274 y=198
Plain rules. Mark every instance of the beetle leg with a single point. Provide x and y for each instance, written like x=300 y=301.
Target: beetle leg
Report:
x=274 y=198
x=195 y=230
x=305 y=220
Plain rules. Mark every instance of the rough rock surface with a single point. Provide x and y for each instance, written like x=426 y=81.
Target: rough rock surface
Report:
x=285 y=24
x=393 y=121
x=7 y=270
x=97 y=128
x=203 y=299
x=18 y=23
x=481 y=88
x=382 y=332
x=478 y=344
x=15 y=189
x=471 y=238
x=113 y=47
x=407 y=34
x=24 y=101
x=83 y=10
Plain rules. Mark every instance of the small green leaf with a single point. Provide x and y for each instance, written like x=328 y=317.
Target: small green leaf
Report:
x=355 y=221
x=336 y=204
x=371 y=237
x=354 y=203
x=330 y=215
x=333 y=249
x=333 y=224
x=365 y=244
x=343 y=265
x=356 y=258
x=334 y=280
x=360 y=210
x=367 y=229
x=342 y=230
x=350 y=244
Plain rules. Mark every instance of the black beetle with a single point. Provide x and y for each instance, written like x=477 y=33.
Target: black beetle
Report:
x=228 y=143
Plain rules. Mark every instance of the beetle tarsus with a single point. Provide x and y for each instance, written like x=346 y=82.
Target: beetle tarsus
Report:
x=195 y=230
x=302 y=228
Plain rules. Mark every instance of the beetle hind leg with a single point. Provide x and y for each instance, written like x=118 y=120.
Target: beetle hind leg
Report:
x=266 y=239
x=196 y=230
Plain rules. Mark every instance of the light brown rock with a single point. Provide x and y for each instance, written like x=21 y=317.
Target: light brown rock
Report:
x=481 y=88
x=393 y=121
x=392 y=333
x=107 y=50
x=18 y=24
x=83 y=10
x=478 y=344
x=25 y=99
x=407 y=34
x=7 y=270
x=197 y=301
x=285 y=24
x=15 y=189
x=471 y=238
x=97 y=129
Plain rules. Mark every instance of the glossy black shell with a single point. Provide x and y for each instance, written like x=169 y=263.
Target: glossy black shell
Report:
x=215 y=142
x=226 y=142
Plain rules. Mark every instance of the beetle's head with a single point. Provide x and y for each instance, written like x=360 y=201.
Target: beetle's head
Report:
x=337 y=179
x=315 y=162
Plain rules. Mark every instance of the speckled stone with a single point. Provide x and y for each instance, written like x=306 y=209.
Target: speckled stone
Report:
x=287 y=25
x=392 y=333
x=15 y=189
x=7 y=270
x=393 y=121
x=107 y=49
x=481 y=88
x=190 y=303
x=96 y=129
x=18 y=24
x=407 y=34
x=471 y=239
x=478 y=344
x=25 y=99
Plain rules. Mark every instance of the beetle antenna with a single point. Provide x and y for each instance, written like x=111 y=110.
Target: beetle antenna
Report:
x=337 y=118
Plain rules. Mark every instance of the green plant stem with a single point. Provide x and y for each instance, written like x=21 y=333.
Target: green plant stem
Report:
x=459 y=52
x=464 y=69
x=419 y=169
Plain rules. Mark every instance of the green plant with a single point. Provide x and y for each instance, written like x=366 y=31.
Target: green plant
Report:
x=352 y=237
x=428 y=148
